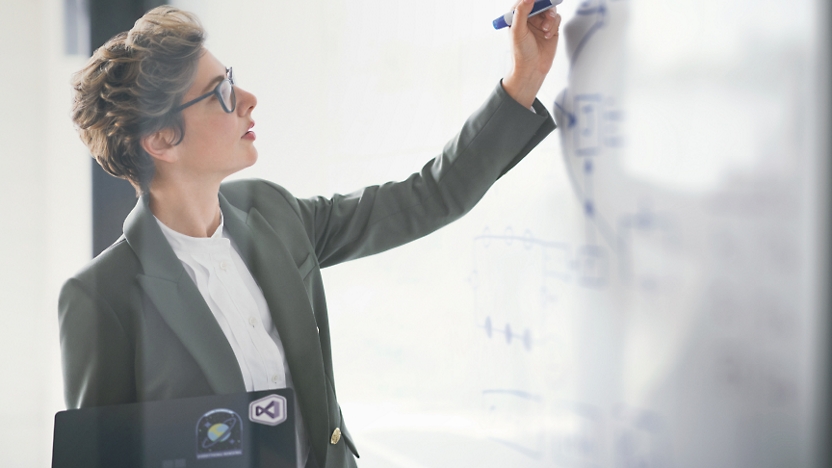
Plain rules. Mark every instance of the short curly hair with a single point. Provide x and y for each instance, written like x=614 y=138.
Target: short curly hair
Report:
x=130 y=88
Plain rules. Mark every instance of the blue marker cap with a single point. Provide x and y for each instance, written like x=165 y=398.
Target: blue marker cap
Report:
x=539 y=7
x=500 y=22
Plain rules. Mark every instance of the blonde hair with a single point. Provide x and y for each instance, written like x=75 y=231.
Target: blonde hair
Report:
x=130 y=88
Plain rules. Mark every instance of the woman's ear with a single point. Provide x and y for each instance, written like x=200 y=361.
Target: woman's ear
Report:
x=159 y=145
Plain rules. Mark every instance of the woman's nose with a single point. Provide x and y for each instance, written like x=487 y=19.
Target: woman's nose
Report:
x=245 y=100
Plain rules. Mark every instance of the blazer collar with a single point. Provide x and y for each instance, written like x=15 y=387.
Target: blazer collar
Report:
x=146 y=239
x=179 y=301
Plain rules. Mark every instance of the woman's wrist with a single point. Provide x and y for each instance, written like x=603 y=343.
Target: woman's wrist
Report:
x=523 y=87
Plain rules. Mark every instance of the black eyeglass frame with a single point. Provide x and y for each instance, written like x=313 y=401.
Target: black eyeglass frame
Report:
x=216 y=92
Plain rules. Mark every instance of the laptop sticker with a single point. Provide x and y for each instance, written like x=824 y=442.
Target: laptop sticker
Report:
x=219 y=433
x=269 y=410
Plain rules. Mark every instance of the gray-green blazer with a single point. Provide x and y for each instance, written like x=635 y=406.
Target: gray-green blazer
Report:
x=134 y=327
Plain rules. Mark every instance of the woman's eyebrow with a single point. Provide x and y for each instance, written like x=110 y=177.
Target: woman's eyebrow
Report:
x=212 y=83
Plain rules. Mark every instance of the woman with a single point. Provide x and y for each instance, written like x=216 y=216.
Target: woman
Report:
x=215 y=287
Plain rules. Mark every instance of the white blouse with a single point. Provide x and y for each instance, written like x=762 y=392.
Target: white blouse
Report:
x=216 y=267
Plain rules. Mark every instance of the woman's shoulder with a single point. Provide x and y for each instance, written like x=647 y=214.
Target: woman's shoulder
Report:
x=111 y=270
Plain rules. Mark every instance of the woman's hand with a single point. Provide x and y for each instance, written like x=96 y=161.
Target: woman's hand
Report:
x=534 y=42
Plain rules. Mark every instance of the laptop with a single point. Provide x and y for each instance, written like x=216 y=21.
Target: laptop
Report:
x=244 y=430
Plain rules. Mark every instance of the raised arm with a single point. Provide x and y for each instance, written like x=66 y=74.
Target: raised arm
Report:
x=377 y=218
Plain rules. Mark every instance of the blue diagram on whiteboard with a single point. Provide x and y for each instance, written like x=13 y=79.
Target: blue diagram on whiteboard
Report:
x=517 y=282
x=589 y=113
x=591 y=125
x=594 y=120
x=517 y=279
x=588 y=120
x=623 y=234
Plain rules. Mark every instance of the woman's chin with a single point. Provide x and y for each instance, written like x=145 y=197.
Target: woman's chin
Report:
x=251 y=157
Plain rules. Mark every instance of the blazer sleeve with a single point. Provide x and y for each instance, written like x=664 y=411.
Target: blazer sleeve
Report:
x=492 y=140
x=97 y=357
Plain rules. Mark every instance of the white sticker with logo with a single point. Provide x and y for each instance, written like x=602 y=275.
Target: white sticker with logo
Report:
x=269 y=410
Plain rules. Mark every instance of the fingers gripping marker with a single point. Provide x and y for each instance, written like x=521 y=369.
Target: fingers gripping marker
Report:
x=539 y=7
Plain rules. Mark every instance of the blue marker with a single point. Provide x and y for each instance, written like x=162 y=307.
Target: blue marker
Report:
x=539 y=7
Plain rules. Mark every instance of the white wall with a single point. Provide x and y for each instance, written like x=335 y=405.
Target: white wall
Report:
x=44 y=185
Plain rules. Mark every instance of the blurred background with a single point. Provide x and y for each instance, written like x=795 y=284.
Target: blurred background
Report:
x=646 y=289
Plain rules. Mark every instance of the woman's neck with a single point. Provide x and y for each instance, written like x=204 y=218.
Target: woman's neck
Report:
x=192 y=208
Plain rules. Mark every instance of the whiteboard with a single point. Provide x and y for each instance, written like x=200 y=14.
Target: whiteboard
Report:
x=641 y=291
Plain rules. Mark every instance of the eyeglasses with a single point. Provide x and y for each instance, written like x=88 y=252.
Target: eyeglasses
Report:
x=224 y=92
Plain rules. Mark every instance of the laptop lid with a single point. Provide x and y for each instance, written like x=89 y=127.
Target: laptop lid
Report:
x=245 y=430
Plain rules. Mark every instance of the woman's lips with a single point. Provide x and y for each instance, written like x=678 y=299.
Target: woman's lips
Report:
x=250 y=135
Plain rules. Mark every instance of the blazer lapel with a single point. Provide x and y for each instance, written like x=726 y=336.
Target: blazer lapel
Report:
x=272 y=266
x=180 y=303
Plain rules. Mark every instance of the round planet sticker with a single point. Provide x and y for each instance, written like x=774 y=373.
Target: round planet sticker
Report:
x=219 y=433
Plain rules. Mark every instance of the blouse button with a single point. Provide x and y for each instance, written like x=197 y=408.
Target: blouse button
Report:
x=252 y=321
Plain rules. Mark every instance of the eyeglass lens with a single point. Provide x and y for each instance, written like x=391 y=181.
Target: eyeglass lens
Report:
x=227 y=94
